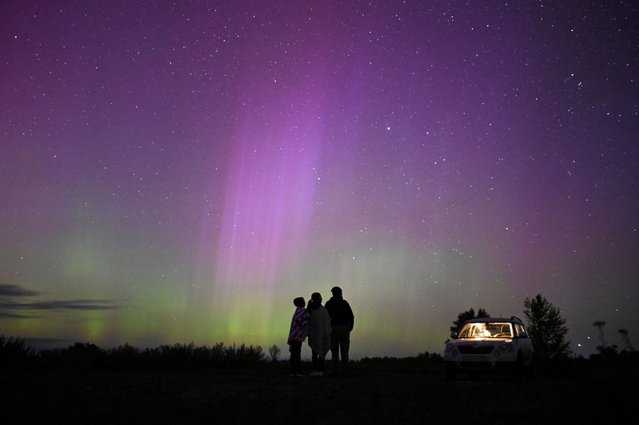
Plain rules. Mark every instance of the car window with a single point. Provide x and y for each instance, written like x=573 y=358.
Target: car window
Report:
x=487 y=330
x=500 y=330
x=521 y=331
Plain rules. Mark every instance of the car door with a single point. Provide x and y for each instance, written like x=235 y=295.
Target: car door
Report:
x=523 y=343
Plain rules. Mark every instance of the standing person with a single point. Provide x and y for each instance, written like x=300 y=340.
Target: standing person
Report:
x=319 y=333
x=297 y=335
x=342 y=322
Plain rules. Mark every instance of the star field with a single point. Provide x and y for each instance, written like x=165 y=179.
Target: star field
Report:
x=176 y=172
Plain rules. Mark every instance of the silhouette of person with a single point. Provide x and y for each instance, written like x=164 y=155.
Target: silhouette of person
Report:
x=319 y=333
x=342 y=322
x=297 y=334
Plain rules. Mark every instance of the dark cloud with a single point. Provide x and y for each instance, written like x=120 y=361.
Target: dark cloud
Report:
x=60 y=305
x=72 y=305
x=11 y=315
x=9 y=290
x=10 y=309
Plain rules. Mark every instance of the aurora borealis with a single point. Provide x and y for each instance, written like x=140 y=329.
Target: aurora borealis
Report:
x=180 y=171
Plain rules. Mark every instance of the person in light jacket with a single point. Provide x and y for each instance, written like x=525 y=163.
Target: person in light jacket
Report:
x=319 y=333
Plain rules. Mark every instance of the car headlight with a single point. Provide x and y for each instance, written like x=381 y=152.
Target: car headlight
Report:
x=502 y=349
x=452 y=350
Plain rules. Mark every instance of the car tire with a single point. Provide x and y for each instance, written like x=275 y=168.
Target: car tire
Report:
x=451 y=371
x=519 y=371
x=531 y=370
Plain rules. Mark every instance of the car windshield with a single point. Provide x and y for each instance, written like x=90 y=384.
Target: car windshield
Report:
x=487 y=330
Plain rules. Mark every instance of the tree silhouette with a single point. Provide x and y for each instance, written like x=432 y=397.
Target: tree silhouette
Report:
x=600 y=325
x=626 y=340
x=466 y=315
x=274 y=352
x=547 y=328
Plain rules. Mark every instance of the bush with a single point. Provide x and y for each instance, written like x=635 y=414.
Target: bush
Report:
x=14 y=352
x=124 y=357
x=274 y=352
x=83 y=356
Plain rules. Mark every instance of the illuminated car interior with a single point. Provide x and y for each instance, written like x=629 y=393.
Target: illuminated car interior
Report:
x=487 y=330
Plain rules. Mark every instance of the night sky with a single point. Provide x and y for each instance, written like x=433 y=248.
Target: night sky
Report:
x=180 y=171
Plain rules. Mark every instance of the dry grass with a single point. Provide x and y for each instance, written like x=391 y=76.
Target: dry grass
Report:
x=389 y=391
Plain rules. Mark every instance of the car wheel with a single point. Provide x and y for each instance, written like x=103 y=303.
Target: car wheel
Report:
x=451 y=371
x=518 y=368
x=531 y=369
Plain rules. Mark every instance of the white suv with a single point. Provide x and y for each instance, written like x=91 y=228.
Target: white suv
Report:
x=490 y=345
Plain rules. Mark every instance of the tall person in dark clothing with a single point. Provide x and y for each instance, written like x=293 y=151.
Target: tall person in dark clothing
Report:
x=342 y=322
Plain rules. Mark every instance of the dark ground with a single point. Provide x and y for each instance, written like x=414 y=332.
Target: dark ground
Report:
x=383 y=391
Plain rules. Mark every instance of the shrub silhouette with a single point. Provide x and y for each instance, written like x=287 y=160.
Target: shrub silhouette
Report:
x=14 y=352
x=274 y=352
x=124 y=357
x=625 y=338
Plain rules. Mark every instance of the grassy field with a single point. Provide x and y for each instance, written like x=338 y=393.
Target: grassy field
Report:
x=389 y=391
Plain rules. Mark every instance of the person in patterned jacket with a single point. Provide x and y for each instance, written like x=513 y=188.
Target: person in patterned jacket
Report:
x=297 y=334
